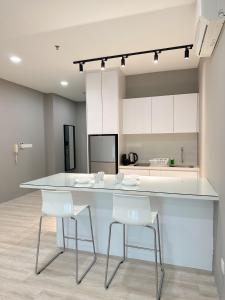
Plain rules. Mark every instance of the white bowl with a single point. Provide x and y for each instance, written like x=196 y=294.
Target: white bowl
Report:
x=83 y=180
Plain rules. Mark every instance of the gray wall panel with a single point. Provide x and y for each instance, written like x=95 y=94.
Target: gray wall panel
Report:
x=162 y=83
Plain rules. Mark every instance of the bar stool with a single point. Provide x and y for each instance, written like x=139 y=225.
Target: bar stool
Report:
x=136 y=210
x=60 y=204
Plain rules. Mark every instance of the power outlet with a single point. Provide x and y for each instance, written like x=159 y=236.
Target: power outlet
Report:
x=222 y=266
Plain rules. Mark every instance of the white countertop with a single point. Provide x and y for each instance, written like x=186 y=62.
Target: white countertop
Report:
x=189 y=188
x=195 y=169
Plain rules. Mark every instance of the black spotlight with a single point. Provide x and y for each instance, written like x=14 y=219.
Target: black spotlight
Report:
x=156 y=58
x=81 y=68
x=186 y=53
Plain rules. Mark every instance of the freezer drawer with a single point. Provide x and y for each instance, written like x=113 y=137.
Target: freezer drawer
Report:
x=107 y=168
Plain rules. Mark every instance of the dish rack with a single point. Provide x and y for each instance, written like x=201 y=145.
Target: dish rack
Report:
x=161 y=162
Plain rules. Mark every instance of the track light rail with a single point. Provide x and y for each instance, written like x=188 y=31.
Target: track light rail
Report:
x=126 y=55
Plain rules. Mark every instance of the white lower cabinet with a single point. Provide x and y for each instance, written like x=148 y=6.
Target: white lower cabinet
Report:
x=179 y=174
x=161 y=173
x=134 y=171
x=155 y=173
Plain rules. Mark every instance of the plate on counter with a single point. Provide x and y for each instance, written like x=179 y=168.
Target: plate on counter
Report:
x=83 y=180
x=130 y=181
x=83 y=185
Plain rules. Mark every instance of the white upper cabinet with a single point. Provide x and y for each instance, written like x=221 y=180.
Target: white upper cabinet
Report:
x=136 y=116
x=186 y=113
x=102 y=100
x=162 y=114
x=110 y=97
x=94 y=103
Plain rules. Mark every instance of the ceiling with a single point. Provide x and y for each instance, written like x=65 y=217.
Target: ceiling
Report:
x=86 y=29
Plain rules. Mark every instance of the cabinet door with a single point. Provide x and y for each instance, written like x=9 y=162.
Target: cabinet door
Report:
x=179 y=174
x=136 y=115
x=94 y=103
x=110 y=102
x=134 y=171
x=155 y=173
x=162 y=114
x=186 y=113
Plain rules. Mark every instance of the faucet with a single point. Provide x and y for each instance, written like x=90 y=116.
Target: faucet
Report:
x=182 y=155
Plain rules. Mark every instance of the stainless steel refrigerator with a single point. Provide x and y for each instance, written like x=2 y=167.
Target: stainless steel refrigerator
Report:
x=103 y=153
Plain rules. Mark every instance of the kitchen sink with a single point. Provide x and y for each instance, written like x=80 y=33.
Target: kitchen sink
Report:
x=142 y=164
x=174 y=166
x=182 y=166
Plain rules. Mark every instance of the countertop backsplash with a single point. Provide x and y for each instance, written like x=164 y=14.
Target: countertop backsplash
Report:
x=163 y=145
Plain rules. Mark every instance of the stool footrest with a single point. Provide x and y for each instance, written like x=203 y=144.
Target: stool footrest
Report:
x=139 y=247
x=79 y=239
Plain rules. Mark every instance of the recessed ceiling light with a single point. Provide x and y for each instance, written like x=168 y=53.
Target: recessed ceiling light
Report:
x=64 y=83
x=15 y=59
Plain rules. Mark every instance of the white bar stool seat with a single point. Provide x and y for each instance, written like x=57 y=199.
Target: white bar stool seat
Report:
x=60 y=204
x=136 y=210
x=78 y=209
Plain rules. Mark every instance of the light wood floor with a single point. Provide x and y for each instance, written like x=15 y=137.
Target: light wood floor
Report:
x=135 y=280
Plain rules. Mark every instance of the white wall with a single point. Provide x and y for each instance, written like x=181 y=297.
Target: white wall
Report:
x=21 y=120
x=163 y=145
x=212 y=141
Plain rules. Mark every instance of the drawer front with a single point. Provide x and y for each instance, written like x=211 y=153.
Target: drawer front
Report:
x=134 y=171
x=179 y=174
x=155 y=173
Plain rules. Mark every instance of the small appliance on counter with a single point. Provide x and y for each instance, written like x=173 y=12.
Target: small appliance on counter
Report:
x=133 y=157
x=129 y=159
x=159 y=162
x=124 y=160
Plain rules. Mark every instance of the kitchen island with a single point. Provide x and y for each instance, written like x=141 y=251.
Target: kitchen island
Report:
x=185 y=208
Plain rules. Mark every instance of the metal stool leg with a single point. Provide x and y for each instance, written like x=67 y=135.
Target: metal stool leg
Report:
x=124 y=242
x=63 y=232
x=156 y=263
x=108 y=281
x=92 y=234
x=38 y=271
x=78 y=280
x=160 y=258
x=158 y=284
x=159 y=243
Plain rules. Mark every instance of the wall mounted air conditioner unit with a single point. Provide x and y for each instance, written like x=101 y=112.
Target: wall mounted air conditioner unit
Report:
x=210 y=22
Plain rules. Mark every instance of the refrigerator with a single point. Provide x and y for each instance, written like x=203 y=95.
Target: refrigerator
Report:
x=103 y=153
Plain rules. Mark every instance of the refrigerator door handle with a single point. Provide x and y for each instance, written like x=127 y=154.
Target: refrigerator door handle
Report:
x=113 y=154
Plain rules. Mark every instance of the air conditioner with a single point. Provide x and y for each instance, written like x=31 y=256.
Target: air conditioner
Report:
x=210 y=23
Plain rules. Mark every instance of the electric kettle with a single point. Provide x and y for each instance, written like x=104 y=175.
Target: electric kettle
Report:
x=133 y=157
